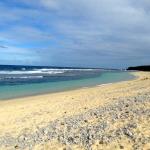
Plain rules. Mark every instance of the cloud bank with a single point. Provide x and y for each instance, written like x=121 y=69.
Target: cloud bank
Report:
x=91 y=33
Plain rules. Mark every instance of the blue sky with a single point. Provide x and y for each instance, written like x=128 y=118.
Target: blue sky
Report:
x=88 y=33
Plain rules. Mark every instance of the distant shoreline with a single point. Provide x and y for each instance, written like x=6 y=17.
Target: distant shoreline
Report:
x=140 y=68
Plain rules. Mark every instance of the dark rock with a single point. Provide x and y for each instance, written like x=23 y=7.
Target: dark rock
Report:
x=128 y=133
x=16 y=146
x=121 y=147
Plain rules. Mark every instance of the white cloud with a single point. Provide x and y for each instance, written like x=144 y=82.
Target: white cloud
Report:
x=51 y=4
x=25 y=34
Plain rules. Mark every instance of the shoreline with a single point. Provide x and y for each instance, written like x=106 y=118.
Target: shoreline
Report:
x=34 y=117
x=74 y=89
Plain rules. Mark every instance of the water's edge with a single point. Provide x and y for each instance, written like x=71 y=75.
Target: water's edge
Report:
x=9 y=93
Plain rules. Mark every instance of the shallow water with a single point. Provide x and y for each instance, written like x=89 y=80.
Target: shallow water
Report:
x=14 y=91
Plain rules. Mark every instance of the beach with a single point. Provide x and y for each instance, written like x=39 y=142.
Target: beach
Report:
x=110 y=116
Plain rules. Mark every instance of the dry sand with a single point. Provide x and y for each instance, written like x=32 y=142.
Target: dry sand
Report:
x=27 y=115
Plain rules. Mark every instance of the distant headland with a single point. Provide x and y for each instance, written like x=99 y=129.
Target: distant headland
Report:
x=140 y=68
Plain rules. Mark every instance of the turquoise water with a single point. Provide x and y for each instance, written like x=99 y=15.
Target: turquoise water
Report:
x=9 y=92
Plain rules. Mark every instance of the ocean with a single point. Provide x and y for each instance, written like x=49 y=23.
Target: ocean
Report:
x=20 y=81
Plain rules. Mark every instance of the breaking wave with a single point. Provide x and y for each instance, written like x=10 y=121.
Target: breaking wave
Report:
x=39 y=71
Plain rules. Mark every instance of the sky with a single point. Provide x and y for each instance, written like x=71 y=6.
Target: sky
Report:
x=81 y=33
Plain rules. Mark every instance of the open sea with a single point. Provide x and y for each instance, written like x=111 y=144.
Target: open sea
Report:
x=20 y=81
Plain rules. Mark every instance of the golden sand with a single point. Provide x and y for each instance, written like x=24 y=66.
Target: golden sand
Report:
x=27 y=114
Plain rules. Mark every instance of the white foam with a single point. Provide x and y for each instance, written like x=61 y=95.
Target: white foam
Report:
x=30 y=72
x=41 y=71
x=22 y=77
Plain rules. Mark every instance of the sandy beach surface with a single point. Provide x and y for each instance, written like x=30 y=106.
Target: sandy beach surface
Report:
x=106 y=117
